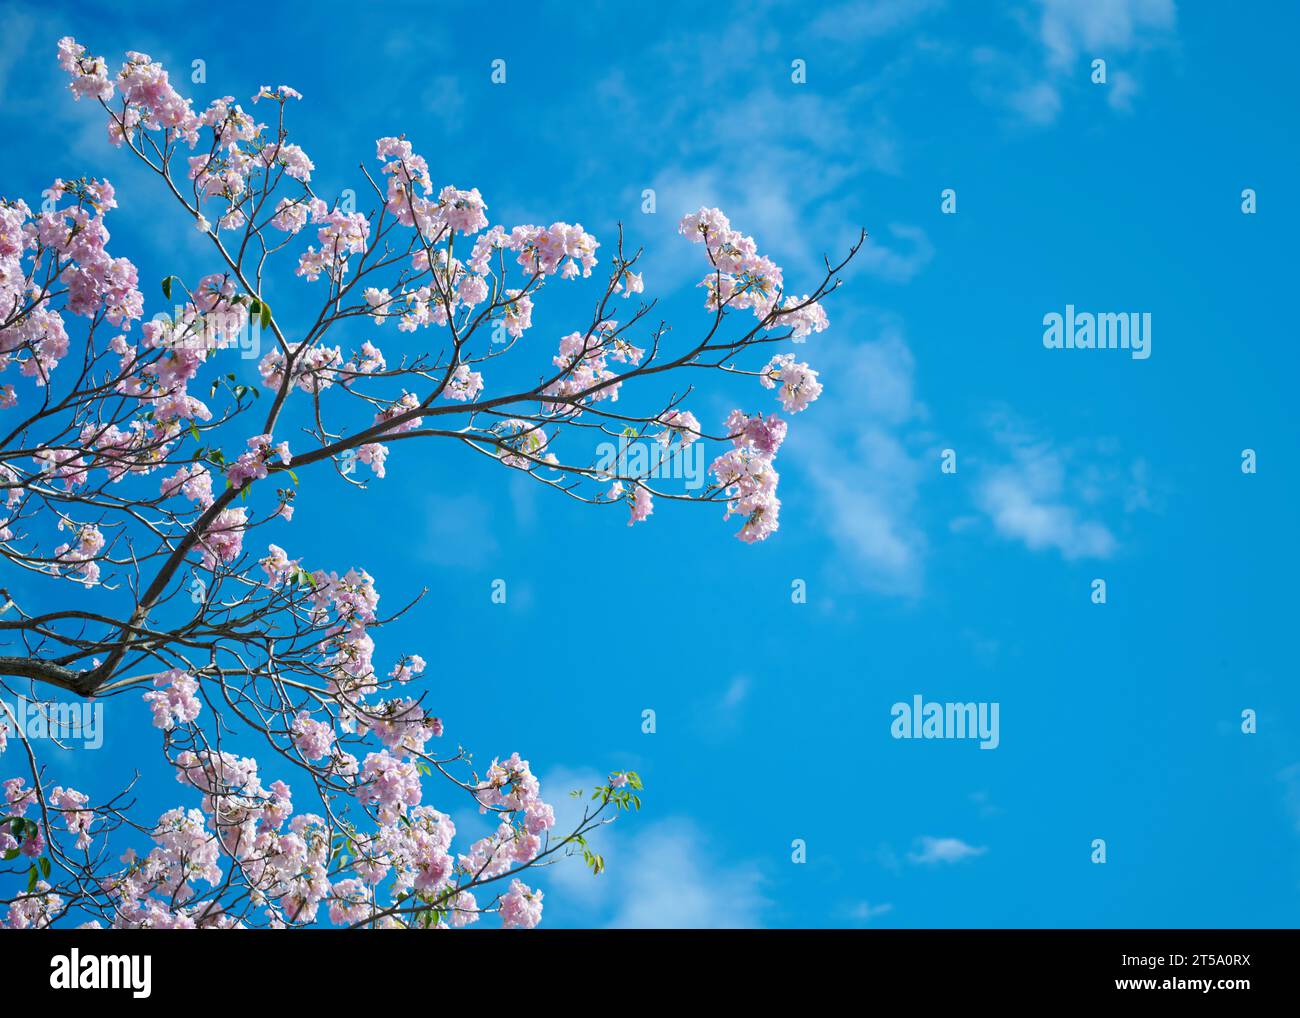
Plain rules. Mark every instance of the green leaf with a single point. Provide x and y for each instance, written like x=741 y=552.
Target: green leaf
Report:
x=45 y=866
x=31 y=879
x=266 y=315
x=167 y=287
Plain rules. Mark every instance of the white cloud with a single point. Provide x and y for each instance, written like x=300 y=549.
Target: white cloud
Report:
x=864 y=911
x=1070 y=34
x=1070 y=28
x=865 y=503
x=1027 y=500
x=853 y=452
x=667 y=882
x=1022 y=506
x=1038 y=103
x=943 y=850
x=659 y=875
x=1120 y=91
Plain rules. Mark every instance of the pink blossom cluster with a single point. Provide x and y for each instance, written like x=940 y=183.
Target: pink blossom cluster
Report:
x=185 y=851
x=341 y=234
x=36 y=328
x=584 y=362
x=746 y=473
x=277 y=565
x=641 y=502
x=802 y=315
x=78 y=559
x=521 y=907
x=314 y=368
x=407 y=402
x=400 y=724
x=193 y=481
x=742 y=278
x=314 y=739
x=223 y=540
x=517 y=312
x=369 y=360
x=252 y=465
x=89 y=74
x=798 y=385
x=66 y=465
x=463 y=384
x=285 y=858
x=679 y=424
x=152 y=102
x=416 y=854
x=389 y=783
x=148 y=97
x=70 y=241
x=76 y=820
x=291 y=157
x=175 y=701
x=137 y=450
x=540 y=250
x=35 y=910
x=451 y=289
x=408 y=668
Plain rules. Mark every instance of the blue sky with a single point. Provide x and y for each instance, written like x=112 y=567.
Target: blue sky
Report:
x=1118 y=721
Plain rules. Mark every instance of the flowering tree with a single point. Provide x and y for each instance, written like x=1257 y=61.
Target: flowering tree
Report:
x=136 y=468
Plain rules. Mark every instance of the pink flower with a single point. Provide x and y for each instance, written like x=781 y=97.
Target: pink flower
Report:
x=314 y=739
x=642 y=505
x=223 y=541
x=521 y=907
x=175 y=701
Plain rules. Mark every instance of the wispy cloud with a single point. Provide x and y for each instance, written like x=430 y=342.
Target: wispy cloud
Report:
x=661 y=875
x=669 y=884
x=856 y=21
x=1024 y=502
x=865 y=911
x=1064 y=36
x=1038 y=103
x=856 y=453
x=933 y=851
x=1070 y=29
x=20 y=26
x=1050 y=498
